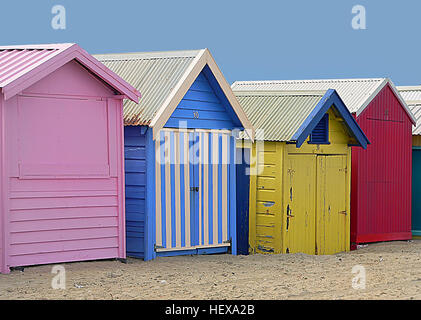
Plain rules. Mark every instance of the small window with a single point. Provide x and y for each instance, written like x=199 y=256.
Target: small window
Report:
x=320 y=134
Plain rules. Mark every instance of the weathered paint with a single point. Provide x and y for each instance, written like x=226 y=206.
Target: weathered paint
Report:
x=332 y=225
x=265 y=194
x=381 y=188
x=300 y=197
x=63 y=196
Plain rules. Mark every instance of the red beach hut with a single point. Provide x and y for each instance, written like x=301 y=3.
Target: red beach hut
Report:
x=381 y=175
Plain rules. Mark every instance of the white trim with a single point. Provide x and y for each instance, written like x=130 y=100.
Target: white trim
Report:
x=413 y=103
x=226 y=88
x=177 y=188
x=158 y=210
x=402 y=101
x=409 y=88
x=178 y=92
x=168 y=209
x=187 y=232
x=371 y=97
x=203 y=58
x=216 y=245
x=213 y=131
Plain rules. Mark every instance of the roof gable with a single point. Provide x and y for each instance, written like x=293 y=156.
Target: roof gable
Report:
x=292 y=115
x=330 y=100
x=71 y=79
x=164 y=78
x=204 y=106
x=22 y=66
x=356 y=93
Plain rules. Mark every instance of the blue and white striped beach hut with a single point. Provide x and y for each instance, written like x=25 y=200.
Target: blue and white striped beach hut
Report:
x=179 y=154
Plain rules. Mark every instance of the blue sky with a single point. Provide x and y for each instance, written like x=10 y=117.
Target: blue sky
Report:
x=250 y=40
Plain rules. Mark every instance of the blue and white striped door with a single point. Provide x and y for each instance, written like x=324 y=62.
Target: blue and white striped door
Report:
x=192 y=193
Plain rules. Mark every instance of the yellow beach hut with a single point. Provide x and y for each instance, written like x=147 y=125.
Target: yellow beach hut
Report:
x=300 y=171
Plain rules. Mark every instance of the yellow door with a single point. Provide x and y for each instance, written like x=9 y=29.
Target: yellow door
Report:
x=331 y=204
x=300 y=211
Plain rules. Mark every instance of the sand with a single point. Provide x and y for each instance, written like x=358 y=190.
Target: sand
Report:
x=393 y=271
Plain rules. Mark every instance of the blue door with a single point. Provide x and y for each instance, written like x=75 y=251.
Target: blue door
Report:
x=243 y=198
x=192 y=191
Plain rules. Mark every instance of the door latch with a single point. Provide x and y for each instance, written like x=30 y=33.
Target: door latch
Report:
x=194 y=189
x=343 y=212
x=289 y=211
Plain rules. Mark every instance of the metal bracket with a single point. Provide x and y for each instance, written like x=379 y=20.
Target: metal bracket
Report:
x=157 y=247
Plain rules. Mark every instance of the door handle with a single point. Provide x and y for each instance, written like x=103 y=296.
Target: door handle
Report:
x=194 y=189
x=343 y=212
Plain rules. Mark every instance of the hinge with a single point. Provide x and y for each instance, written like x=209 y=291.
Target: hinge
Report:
x=157 y=247
x=227 y=241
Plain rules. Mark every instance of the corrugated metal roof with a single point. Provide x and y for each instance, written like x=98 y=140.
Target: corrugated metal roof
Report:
x=354 y=92
x=412 y=96
x=277 y=115
x=410 y=93
x=154 y=74
x=16 y=61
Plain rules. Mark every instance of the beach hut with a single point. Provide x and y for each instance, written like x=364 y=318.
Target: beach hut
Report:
x=412 y=96
x=61 y=140
x=179 y=154
x=300 y=171
x=381 y=175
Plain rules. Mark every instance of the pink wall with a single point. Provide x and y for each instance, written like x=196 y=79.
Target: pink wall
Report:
x=64 y=171
x=2 y=182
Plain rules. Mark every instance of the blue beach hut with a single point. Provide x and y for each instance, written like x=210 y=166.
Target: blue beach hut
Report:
x=179 y=154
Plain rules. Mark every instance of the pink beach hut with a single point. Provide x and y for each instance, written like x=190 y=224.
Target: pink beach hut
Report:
x=61 y=164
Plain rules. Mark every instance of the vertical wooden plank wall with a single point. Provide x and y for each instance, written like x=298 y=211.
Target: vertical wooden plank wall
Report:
x=382 y=206
x=135 y=142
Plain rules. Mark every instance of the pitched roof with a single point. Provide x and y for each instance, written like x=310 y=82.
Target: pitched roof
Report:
x=356 y=93
x=21 y=66
x=412 y=96
x=154 y=74
x=164 y=78
x=277 y=114
x=292 y=115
